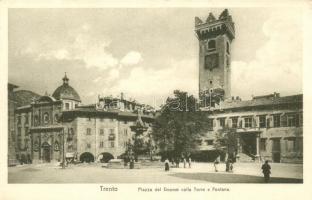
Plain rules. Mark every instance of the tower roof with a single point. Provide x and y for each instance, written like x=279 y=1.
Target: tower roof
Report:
x=213 y=27
x=65 y=91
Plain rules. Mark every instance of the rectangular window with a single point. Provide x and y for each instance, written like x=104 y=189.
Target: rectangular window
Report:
x=19 y=119
x=210 y=124
x=262 y=121
x=26 y=119
x=101 y=131
x=300 y=119
x=66 y=106
x=300 y=144
x=248 y=122
x=290 y=144
x=126 y=132
x=112 y=144
x=111 y=131
x=88 y=145
x=209 y=142
x=125 y=122
x=19 y=131
x=198 y=142
x=222 y=122
x=263 y=144
x=291 y=120
x=88 y=131
x=101 y=144
x=277 y=120
x=26 y=131
x=234 y=122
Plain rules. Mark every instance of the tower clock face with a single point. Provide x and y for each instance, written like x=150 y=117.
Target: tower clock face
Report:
x=211 y=61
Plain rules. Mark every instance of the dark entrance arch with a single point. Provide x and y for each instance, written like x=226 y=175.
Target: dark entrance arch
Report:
x=106 y=157
x=86 y=157
x=46 y=152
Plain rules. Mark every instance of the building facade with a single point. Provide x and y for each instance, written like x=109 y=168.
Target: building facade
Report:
x=57 y=126
x=12 y=104
x=268 y=127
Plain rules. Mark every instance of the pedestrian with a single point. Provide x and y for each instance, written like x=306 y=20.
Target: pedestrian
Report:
x=177 y=161
x=166 y=164
x=266 y=170
x=131 y=163
x=189 y=162
x=229 y=165
x=184 y=162
x=216 y=162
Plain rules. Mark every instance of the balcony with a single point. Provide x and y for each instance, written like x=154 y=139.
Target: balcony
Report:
x=248 y=130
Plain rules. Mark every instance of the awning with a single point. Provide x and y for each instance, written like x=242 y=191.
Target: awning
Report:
x=70 y=155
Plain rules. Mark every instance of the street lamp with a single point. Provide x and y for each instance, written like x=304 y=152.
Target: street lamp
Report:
x=63 y=163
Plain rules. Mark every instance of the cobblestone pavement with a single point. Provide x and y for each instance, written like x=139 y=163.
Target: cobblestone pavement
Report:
x=199 y=173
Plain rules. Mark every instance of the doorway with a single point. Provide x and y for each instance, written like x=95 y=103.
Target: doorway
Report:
x=46 y=152
x=276 y=150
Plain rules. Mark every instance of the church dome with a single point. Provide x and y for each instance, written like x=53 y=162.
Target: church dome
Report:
x=65 y=91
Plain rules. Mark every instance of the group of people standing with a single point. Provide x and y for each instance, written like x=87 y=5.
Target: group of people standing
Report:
x=186 y=161
x=228 y=164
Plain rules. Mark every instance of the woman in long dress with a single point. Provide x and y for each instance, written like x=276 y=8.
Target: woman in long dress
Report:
x=167 y=165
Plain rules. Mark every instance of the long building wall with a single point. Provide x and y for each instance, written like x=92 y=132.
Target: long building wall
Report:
x=288 y=138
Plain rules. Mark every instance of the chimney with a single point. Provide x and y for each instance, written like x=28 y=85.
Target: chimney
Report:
x=121 y=96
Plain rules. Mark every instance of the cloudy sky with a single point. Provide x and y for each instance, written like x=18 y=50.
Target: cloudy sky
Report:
x=147 y=53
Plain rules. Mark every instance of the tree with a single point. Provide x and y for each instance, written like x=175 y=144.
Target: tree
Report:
x=179 y=126
x=226 y=142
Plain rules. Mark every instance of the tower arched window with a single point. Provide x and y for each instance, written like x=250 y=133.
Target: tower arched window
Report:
x=211 y=44
x=228 y=48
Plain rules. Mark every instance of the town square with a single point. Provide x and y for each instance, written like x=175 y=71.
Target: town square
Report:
x=179 y=95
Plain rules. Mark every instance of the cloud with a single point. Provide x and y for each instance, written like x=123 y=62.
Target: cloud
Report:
x=132 y=58
x=55 y=54
x=148 y=84
x=79 y=45
x=278 y=62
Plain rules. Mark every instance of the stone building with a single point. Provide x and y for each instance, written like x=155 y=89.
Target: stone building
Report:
x=50 y=124
x=12 y=104
x=267 y=127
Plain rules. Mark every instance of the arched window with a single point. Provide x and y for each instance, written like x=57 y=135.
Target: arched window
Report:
x=36 y=145
x=212 y=44
x=56 y=118
x=228 y=48
x=46 y=118
x=36 y=120
x=56 y=146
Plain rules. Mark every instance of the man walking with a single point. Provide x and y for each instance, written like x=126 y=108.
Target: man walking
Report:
x=216 y=162
x=266 y=170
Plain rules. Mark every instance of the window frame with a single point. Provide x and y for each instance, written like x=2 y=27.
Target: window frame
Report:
x=277 y=123
x=262 y=121
x=88 y=131
x=247 y=122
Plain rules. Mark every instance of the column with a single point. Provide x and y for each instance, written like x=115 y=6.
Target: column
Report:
x=258 y=148
x=239 y=150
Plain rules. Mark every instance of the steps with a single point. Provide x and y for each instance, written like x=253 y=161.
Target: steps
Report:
x=245 y=158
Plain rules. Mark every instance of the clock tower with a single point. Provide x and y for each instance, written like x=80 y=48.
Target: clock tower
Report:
x=215 y=36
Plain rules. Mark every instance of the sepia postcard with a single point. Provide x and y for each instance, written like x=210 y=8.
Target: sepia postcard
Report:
x=144 y=99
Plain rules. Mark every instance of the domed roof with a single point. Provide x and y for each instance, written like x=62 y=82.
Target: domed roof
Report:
x=65 y=91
